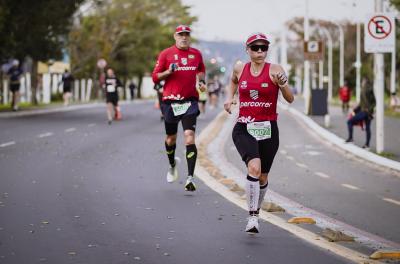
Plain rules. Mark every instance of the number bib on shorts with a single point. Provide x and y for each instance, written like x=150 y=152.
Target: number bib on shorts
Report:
x=180 y=109
x=260 y=130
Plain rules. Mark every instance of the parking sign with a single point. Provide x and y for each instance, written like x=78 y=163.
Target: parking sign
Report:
x=379 y=33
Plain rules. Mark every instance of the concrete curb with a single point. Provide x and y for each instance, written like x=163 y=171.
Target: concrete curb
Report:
x=339 y=142
x=60 y=109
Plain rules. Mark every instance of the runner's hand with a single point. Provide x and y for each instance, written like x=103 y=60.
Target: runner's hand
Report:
x=202 y=86
x=281 y=78
x=227 y=105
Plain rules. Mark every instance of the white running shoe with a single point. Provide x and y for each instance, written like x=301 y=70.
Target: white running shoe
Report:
x=172 y=174
x=190 y=186
x=252 y=225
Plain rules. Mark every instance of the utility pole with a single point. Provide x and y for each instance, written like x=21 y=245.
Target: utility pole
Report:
x=379 y=90
x=306 y=86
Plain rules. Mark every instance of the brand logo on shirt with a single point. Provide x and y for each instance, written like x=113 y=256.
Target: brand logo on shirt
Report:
x=264 y=85
x=254 y=94
x=191 y=56
x=184 y=61
x=243 y=85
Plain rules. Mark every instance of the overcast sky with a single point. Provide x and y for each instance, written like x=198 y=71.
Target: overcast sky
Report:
x=236 y=19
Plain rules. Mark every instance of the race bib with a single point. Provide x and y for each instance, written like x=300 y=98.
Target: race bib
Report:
x=180 y=109
x=110 y=88
x=259 y=130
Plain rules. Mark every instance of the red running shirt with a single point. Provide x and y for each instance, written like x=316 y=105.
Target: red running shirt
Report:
x=257 y=96
x=181 y=84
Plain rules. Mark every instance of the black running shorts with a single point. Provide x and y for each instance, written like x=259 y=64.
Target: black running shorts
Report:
x=112 y=98
x=249 y=148
x=188 y=119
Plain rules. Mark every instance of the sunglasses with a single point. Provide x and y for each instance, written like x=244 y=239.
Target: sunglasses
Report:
x=184 y=34
x=258 y=47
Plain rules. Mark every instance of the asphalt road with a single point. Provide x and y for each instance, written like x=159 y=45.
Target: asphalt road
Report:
x=75 y=190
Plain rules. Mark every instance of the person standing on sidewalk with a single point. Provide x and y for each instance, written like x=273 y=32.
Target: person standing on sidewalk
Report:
x=15 y=74
x=363 y=112
x=132 y=87
x=180 y=65
x=111 y=85
x=256 y=134
x=345 y=95
x=67 y=80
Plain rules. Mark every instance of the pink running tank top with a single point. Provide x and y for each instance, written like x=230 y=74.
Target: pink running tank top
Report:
x=257 y=96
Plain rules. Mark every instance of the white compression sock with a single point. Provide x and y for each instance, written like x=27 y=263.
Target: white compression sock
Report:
x=252 y=193
x=263 y=191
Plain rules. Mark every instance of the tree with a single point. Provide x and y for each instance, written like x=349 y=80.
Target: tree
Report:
x=127 y=33
x=36 y=30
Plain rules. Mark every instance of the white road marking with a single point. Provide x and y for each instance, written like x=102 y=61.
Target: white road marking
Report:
x=283 y=152
x=312 y=153
x=91 y=125
x=289 y=157
x=3 y=145
x=68 y=130
x=322 y=175
x=301 y=165
x=47 y=134
x=349 y=186
x=391 y=201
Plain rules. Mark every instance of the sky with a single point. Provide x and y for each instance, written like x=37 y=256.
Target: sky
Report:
x=235 y=20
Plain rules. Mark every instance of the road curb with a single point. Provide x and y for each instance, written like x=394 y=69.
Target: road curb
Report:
x=61 y=109
x=339 y=142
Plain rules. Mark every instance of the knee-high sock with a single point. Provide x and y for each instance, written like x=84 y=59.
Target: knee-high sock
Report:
x=191 y=157
x=263 y=191
x=171 y=153
x=252 y=193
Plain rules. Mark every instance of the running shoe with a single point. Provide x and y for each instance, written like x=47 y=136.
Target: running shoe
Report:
x=252 y=224
x=172 y=174
x=190 y=186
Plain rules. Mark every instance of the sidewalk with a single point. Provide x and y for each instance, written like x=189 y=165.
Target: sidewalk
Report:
x=338 y=126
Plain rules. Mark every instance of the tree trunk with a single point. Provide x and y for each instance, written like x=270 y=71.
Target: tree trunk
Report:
x=139 y=87
x=34 y=82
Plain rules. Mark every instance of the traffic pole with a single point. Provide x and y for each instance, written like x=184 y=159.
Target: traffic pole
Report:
x=379 y=92
x=358 y=63
x=306 y=85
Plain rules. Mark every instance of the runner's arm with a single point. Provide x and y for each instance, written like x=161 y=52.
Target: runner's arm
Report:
x=161 y=71
x=233 y=83
x=280 y=78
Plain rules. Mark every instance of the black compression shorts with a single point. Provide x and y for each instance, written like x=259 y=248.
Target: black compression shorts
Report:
x=249 y=148
x=188 y=119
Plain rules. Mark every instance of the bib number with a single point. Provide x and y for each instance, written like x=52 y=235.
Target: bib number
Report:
x=260 y=130
x=180 y=109
x=110 y=88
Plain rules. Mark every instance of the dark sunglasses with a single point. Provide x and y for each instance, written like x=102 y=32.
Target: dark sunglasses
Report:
x=258 y=47
x=184 y=34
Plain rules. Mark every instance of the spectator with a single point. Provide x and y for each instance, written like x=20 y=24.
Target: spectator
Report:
x=15 y=74
x=132 y=87
x=345 y=95
x=363 y=112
